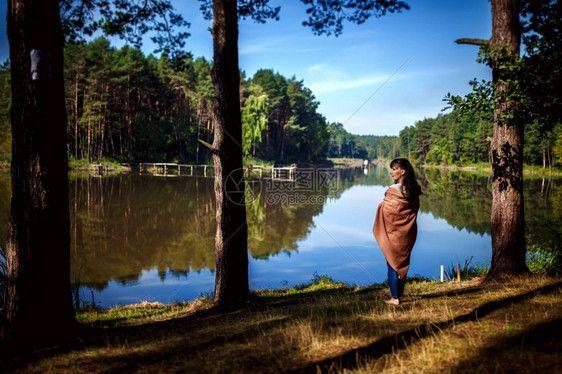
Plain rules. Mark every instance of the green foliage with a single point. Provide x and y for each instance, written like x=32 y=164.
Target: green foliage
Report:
x=129 y=20
x=127 y=107
x=83 y=163
x=557 y=147
x=526 y=87
x=463 y=139
x=477 y=101
x=318 y=282
x=254 y=119
x=450 y=139
x=541 y=22
x=248 y=160
x=540 y=261
x=345 y=145
x=544 y=257
x=80 y=163
x=327 y=17
x=280 y=120
x=258 y=10
x=130 y=107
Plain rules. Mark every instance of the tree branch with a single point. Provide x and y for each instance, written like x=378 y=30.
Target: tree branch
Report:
x=472 y=41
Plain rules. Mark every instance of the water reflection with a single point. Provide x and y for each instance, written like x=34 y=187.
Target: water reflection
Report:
x=139 y=238
x=462 y=198
x=125 y=224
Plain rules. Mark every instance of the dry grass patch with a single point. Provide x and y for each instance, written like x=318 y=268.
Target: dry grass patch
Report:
x=520 y=338
x=435 y=330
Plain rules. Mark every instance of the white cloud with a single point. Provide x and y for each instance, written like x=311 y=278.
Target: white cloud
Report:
x=287 y=44
x=346 y=84
x=339 y=81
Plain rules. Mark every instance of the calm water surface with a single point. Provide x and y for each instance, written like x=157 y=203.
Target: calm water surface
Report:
x=141 y=237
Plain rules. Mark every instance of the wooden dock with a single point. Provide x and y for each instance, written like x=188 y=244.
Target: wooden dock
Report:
x=165 y=169
x=170 y=169
x=284 y=172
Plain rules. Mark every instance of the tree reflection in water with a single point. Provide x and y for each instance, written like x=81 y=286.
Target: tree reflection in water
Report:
x=122 y=226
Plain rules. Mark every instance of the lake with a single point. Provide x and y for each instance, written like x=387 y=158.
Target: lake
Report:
x=151 y=238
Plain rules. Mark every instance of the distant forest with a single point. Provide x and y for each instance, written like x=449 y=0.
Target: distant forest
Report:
x=448 y=139
x=125 y=106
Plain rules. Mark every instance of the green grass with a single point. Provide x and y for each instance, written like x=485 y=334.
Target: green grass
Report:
x=536 y=170
x=510 y=326
x=84 y=163
x=249 y=160
x=138 y=313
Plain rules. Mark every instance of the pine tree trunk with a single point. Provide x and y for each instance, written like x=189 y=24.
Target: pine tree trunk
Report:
x=38 y=301
x=507 y=223
x=76 y=119
x=231 y=248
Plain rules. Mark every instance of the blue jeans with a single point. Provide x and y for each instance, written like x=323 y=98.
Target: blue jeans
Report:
x=396 y=284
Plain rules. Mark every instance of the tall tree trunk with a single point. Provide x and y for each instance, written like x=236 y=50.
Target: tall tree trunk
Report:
x=38 y=301
x=507 y=223
x=231 y=242
x=76 y=119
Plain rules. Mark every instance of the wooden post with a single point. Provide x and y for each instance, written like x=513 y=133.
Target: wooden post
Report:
x=458 y=272
x=442 y=273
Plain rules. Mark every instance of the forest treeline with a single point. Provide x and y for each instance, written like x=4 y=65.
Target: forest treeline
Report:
x=128 y=107
x=449 y=139
x=464 y=139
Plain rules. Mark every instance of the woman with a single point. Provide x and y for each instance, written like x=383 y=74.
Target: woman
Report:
x=395 y=226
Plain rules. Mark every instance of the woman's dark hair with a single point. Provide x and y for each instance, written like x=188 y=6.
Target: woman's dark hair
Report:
x=413 y=189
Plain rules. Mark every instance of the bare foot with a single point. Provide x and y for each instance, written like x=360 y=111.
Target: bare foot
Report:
x=393 y=301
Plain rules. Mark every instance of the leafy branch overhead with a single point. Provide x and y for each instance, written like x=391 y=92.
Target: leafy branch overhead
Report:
x=127 y=19
x=327 y=16
x=258 y=10
x=531 y=79
x=324 y=16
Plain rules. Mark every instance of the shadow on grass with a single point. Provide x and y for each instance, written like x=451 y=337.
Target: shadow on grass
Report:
x=107 y=334
x=539 y=343
x=385 y=345
x=158 y=344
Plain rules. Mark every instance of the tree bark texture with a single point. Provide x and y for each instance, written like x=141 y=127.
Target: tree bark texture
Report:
x=38 y=302
x=507 y=221
x=231 y=242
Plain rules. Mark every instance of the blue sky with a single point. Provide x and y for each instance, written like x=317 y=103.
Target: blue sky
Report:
x=405 y=63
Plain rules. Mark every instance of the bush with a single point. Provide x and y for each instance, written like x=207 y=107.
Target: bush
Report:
x=544 y=256
x=545 y=261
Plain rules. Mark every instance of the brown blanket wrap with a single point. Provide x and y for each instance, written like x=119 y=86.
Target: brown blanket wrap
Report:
x=395 y=229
